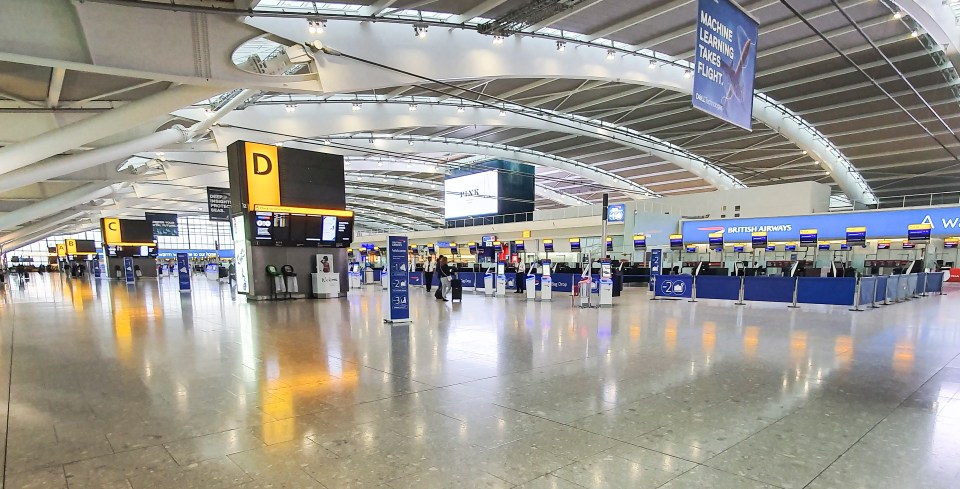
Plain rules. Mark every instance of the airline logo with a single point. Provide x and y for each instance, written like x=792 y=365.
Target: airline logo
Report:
x=263 y=174
x=767 y=228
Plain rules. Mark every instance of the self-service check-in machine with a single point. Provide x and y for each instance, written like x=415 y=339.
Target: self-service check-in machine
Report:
x=606 y=284
x=385 y=279
x=354 y=275
x=546 y=282
x=501 y=279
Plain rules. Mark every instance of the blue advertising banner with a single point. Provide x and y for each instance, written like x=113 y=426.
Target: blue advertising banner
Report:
x=945 y=221
x=128 y=270
x=616 y=213
x=674 y=286
x=96 y=268
x=399 y=309
x=183 y=271
x=656 y=264
x=726 y=55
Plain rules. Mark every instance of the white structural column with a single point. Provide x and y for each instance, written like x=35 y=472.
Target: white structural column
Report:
x=469 y=55
x=62 y=165
x=57 y=203
x=74 y=135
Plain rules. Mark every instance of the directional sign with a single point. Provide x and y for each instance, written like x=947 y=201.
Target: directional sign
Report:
x=128 y=269
x=399 y=310
x=656 y=264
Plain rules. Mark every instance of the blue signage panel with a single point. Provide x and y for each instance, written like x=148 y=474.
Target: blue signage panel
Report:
x=675 y=286
x=656 y=264
x=945 y=221
x=183 y=271
x=616 y=212
x=726 y=55
x=128 y=270
x=399 y=310
x=96 y=268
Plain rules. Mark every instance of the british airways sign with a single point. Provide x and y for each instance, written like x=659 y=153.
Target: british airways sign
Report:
x=945 y=221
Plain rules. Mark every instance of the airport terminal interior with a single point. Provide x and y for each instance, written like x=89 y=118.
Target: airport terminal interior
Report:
x=479 y=244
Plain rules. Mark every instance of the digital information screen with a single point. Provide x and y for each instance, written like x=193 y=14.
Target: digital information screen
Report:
x=676 y=241
x=908 y=245
x=716 y=240
x=471 y=195
x=519 y=245
x=115 y=251
x=844 y=246
x=691 y=249
x=825 y=247
x=790 y=247
x=771 y=248
x=857 y=235
x=808 y=237
x=951 y=243
x=293 y=229
x=473 y=248
x=574 y=244
x=919 y=232
x=609 y=245
x=639 y=241
x=548 y=245
x=759 y=239
x=883 y=245
x=738 y=249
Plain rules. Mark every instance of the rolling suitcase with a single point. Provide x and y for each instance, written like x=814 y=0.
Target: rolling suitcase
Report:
x=456 y=290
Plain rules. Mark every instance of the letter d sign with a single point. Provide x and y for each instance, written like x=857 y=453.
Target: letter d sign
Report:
x=263 y=174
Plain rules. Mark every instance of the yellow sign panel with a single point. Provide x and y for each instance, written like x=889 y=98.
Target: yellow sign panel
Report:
x=71 y=247
x=637 y=237
x=61 y=249
x=548 y=241
x=919 y=227
x=111 y=231
x=759 y=234
x=718 y=234
x=676 y=236
x=302 y=210
x=859 y=229
x=808 y=231
x=526 y=234
x=574 y=240
x=263 y=174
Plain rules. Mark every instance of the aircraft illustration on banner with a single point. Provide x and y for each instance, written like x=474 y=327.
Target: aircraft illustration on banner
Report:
x=735 y=73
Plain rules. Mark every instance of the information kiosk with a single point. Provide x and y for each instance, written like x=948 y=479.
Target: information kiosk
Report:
x=501 y=279
x=546 y=282
x=606 y=284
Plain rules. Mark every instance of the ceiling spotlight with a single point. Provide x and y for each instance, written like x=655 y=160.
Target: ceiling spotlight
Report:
x=498 y=39
x=561 y=45
x=460 y=109
x=316 y=26
x=159 y=153
x=503 y=113
x=898 y=15
x=208 y=111
x=278 y=143
x=326 y=142
x=356 y=106
x=379 y=163
x=804 y=152
x=291 y=108
x=409 y=142
x=611 y=54
x=412 y=107
x=914 y=34
x=652 y=64
x=687 y=74
x=420 y=31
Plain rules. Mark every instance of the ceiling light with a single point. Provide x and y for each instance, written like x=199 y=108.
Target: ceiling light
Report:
x=356 y=106
x=460 y=109
x=914 y=34
x=804 y=152
x=652 y=64
x=413 y=107
x=409 y=142
x=420 y=31
x=611 y=54
x=159 y=153
x=326 y=142
x=498 y=39
x=561 y=45
x=503 y=113
x=687 y=73
x=316 y=26
x=278 y=143
x=897 y=15
x=379 y=163
x=291 y=108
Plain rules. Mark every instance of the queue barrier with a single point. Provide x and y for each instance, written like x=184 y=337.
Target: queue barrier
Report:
x=841 y=291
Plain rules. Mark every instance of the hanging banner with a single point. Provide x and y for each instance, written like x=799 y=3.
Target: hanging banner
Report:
x=183 y=271
x=218 y=204
x=399 y=308
x=726 y=54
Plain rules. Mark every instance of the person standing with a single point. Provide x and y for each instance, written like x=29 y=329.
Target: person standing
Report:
x=521 y=279
x=428 y=269
x=446 y=274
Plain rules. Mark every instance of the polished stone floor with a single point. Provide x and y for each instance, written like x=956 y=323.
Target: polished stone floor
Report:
x=140 y=387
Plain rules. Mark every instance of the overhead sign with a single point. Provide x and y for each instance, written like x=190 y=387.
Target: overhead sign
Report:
x=726 y=53
x=163 y=224
x=808 y=237
x=61 y=249
x=639 y=241
x=398 y=310
x=856 y=235
x=218 y=204
x=944 y=221
x=919 y=232
x=676 y=241
x=263 y=174
x=616 y=213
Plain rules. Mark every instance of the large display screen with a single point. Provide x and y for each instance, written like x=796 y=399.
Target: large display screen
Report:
x=759 y=240
x=293 y=229
x=716 y=240
x=471 y=195
x=574 y=244
x=808 y=237
x=676 y=241
x=639 y=241
x=919 y=232
x=856 y=235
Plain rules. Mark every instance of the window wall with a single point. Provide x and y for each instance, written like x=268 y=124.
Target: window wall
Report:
x=198 y=233
x=38 y=250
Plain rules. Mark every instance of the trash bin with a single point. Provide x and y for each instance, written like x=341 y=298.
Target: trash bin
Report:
x=277 y=286
x=290 y=280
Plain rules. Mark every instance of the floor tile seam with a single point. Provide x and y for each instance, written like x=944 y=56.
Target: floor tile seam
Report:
x=898 y=406
x=558 y=476
x=6 y=431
